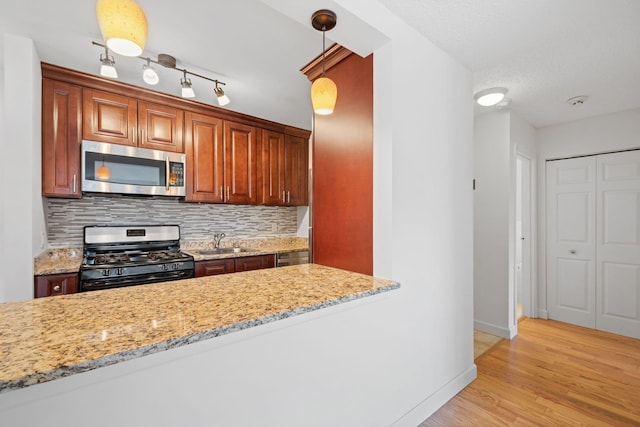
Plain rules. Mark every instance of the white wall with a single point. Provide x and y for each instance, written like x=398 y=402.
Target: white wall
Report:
x=492 y=156
x=391 y=361
x=498 y=137
x=23 y=216
x=601 y=134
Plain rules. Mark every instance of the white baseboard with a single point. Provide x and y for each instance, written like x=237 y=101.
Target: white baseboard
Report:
x=431 y=404
x=543 y=314
x=493 y=329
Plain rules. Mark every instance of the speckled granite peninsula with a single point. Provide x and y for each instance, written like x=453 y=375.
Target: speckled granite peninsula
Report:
x=49 y=338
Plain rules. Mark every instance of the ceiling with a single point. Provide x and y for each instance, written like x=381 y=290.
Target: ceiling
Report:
x=543 y=51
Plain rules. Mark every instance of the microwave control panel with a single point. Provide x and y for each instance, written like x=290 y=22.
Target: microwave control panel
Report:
x=176 y=174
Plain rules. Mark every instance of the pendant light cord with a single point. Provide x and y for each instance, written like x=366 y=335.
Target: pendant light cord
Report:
x=323 y=50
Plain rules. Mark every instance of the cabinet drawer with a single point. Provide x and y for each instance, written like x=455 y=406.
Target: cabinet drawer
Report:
x=214 y=266
x=55 y=284
x=255 y=262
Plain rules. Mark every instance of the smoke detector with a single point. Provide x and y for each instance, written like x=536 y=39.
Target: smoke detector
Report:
x=577 y=101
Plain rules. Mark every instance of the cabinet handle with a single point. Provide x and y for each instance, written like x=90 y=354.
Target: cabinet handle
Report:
x=288 y=196
x=74 y=184
x=141 y=136
x=228 y=193
x=134 y=135
x=168 y=172
x=56 y=288
x=284 y=199
x=221 y=193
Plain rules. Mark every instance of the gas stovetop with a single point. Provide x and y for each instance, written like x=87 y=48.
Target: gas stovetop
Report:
x=117 y=256
x=127 y=258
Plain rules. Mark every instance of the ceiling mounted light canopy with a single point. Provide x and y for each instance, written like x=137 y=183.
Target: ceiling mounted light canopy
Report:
x=123 y=25
x=490 y=97
x=324 y=91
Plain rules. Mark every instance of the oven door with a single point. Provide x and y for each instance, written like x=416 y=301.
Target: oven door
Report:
x=122 y=169
x=119 y=282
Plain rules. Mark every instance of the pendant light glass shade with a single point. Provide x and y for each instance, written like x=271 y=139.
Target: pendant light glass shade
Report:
x=324 y=93
x=123 y=26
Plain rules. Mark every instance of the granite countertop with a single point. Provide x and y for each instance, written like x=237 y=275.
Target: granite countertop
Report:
x=68 y=260
x=49 y=338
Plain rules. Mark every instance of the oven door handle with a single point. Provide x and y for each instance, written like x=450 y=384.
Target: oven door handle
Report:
x=167 y=173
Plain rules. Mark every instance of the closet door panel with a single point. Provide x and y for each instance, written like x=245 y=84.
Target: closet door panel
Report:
x=618 y=243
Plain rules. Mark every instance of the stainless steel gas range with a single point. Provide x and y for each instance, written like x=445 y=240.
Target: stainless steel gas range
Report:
x=117 y=256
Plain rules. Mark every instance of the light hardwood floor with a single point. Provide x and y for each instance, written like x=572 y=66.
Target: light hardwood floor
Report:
x=551 y=374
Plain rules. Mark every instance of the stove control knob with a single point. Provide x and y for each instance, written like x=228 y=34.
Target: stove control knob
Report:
x=175 y=266
x=119 y=271
x=106 y=272
x=165 y=267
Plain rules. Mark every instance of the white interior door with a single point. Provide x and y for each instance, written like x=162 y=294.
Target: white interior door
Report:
x=571 y=207
x=618 y=243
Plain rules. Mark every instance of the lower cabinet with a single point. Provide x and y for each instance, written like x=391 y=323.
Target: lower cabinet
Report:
x=231 y=265
x=55 y=284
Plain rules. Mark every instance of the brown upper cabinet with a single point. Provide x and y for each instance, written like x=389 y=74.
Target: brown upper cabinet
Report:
x=118 y=119
x=205 y=158
x=61 y=138
x=222 y=162
x=228 y=159
x=285 y=169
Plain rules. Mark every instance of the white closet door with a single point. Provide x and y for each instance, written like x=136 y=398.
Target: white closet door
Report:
x=571 y=207
x=618 y=243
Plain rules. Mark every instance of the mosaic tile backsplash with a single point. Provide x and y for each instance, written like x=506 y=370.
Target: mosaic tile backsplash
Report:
x=67 y=217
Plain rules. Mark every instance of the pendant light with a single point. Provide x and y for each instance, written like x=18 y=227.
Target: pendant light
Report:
x=324 y=91
x=123 y=26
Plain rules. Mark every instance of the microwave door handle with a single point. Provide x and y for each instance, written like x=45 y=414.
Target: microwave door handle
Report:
x=167 y=173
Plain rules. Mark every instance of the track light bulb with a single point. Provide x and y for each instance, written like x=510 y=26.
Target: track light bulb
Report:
x=187 y=90
x=108 y=69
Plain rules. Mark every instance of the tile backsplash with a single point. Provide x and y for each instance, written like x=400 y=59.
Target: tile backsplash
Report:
x=67 y=217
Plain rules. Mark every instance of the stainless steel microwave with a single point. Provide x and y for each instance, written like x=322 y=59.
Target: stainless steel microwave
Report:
x=122 y=169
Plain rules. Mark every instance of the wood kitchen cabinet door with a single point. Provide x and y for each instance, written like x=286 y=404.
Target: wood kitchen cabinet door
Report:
x=296 y=163
x=205 y=158
x=241 y=164
x=160 y=127
x=273 y=170
x=61 y=139
x=109 y=118
x=55 y=284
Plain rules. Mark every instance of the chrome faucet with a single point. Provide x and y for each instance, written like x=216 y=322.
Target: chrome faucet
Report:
x=216 y=239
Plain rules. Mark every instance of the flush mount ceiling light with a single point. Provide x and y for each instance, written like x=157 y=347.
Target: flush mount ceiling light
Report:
x=123 y=26
x=490 y=97
x=108 y=69
x=324 y=91
x=150 y=76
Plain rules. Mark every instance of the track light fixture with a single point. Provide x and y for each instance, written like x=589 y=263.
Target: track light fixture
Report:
x=108 y=69
x=222 y=98
x=187 y=90
x=150 y=76
x=324 y=91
